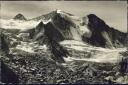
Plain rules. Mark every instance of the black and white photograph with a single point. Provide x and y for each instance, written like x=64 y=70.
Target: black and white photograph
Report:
x=64 y=42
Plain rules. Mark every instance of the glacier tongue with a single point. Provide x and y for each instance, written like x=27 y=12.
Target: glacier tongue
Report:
x=97 y=54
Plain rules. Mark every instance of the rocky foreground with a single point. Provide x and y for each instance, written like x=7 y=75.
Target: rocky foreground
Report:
x=39 y=65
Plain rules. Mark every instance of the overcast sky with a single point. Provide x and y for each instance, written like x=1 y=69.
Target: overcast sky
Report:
x=114 y=13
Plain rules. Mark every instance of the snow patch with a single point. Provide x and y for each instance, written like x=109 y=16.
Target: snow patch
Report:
x=31 y=47
x=76 y=34
x=72 y=42
x=24 y=48
x=75 y=18
x=68 y=59
x=59 y=11
x=64 y=13
x=84 y=30
x=47 y=21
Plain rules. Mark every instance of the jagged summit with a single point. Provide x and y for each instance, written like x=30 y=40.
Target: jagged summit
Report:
x=45 y=16
x=19 y=17
x=51 y=15
x=59 y=11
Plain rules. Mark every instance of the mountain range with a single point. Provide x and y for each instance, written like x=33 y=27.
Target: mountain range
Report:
x=60 y=47
x=59 y=26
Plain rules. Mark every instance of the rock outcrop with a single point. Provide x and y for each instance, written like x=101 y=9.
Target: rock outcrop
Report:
x=4 y=47
x=124 y=63
x=58 y=51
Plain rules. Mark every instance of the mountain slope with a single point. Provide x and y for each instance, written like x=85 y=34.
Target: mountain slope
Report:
x=101 y=34
x=59 y=27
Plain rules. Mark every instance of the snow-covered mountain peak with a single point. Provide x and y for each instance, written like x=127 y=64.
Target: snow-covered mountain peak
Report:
x=59 y=11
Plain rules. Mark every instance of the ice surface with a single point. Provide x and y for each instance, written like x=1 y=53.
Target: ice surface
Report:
x=102 y=55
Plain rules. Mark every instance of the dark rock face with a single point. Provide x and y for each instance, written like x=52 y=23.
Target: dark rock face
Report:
x=53 y=33
x=4 y=43
x=38 y=32
x=48 y=30
x=7 y=75
x=49 y=35
x=126 y=40
x=57 y=50
x=64 y=25
x=124 y=63
x=102 y=34
x=19 y=17
x=39 y=27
